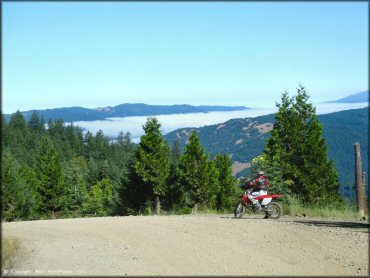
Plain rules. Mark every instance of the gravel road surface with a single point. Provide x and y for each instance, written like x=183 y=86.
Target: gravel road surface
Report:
x=190 y=245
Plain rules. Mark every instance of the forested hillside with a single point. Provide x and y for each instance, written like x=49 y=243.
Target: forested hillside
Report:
x=57 y=171
x=244 y=139
x=73 y=114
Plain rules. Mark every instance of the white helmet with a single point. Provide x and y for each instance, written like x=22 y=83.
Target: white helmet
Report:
x=261 y=173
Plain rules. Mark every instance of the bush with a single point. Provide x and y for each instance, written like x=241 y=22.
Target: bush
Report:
x=179 y=210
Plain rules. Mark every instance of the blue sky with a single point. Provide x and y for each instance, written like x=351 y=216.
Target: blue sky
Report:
x=95 y=54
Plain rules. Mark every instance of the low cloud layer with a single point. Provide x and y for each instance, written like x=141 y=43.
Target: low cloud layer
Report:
x=112 y=126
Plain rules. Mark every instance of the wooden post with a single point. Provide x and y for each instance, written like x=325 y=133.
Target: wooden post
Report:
x=360 y=189
x=364 y=192
x=157 y=206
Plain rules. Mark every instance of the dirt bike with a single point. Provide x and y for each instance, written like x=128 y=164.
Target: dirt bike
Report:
x=268 y=203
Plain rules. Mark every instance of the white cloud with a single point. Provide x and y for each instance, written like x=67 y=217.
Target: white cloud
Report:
x=112 y=126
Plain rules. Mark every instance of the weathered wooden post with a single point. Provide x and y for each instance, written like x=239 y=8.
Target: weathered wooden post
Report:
x=364 y=192
x=360 y=186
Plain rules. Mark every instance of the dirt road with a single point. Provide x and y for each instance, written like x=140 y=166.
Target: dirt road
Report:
x=190 y=245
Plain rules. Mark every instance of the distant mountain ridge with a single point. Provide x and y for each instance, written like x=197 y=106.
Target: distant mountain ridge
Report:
x=244 y=139
x=72 y=114
x=355 y=98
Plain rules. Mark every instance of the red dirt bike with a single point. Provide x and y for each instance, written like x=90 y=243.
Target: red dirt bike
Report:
x=269 y=205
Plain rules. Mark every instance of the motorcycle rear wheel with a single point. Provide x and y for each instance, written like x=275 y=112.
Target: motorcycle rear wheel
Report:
x=239 y=210
x=274 y=210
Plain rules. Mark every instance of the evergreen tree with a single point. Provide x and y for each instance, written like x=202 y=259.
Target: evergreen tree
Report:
x=17 y=136
x=101 y=199
x=298 y=152
x=174 y=192
x=4 y=131
x=18 y=200
x=50 y=188
x=133 y=192
x=196 y=173
x=227 y=183
x=35 y=124
x=175 y=152
x=152 y=160
x=319 y=174
x=18 y=122
x=75 y=175
x=75 y=139
x=213 y=186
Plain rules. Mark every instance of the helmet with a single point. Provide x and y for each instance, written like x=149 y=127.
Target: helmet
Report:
x=261 y=173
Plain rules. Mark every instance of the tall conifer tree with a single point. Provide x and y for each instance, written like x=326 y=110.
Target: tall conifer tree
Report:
x=49 y=173
x=152 y=160
x=196 y=173
x=299 y=151
x=227 y=183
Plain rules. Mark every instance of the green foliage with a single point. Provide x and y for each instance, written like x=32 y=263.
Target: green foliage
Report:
x=36 y=124
x=242 y=139
x=57 y=172
x=18 y=200
x=197 y=174
x=174 y=191
x=101 y=199
x=49 y=173
x=297 y=151
x=227 y=190
x=74 y=176
x=152 y=162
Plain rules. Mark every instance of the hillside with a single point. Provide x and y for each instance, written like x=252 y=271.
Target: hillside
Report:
x=245 y=139
x=355 y=98
x=71 y=114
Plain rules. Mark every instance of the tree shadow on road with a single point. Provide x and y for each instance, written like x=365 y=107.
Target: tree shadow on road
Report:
x=362 y=226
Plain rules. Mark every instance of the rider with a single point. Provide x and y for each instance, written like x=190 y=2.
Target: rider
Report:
x=260 y=185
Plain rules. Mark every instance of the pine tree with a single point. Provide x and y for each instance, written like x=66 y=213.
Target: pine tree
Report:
x=4 y=132
x=18 y=199
x=227 y=183
x=152 y=160
x=50 y=188
x=17 y=136
x=75 y=175
x=75 y=139
x=174 y=192
x=35 y=124
x=175 y=152
x=196 y=174
x=298 y=152
x=319 y=173
x=101 y=200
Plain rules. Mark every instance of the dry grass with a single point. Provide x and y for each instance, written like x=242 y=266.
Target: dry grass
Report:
x=238 y=167
x=296 y=208
x=10 y=247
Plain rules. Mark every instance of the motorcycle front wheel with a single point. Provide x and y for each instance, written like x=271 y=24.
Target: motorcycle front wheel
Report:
x=274 y=210
x=239 y=210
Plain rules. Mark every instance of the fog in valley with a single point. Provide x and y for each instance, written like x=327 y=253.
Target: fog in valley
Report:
x=112 y=126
